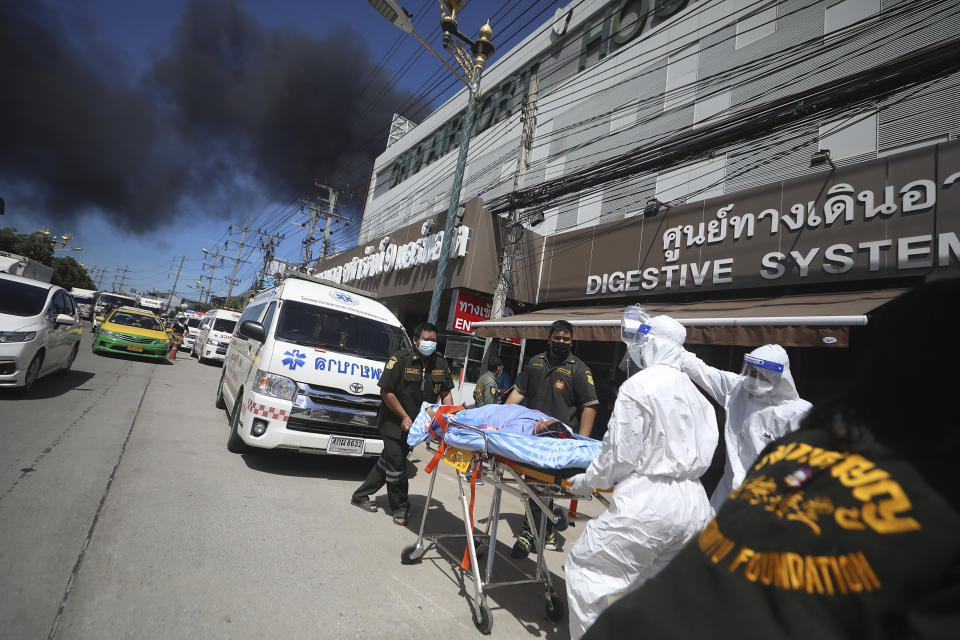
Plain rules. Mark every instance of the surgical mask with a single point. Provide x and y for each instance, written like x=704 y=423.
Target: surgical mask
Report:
x=426 y=347
x=560 y=349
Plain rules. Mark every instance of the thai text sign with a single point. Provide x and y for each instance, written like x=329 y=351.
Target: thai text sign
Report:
x=892 y=217
x=469 y=308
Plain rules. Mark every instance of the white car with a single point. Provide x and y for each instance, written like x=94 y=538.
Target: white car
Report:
x=40 y=330
x=214 y=336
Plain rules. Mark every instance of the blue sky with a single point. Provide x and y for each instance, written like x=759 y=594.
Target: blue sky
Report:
x=207 y=147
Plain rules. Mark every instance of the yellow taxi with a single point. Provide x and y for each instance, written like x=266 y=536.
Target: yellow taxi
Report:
x=132 y=330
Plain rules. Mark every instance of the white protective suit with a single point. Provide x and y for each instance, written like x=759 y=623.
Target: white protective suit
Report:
x=660 y=440
x=754 y=420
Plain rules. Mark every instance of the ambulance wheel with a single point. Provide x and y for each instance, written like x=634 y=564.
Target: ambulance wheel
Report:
x=563 y=520
x=235 y=443
x=556 y=607
x=409 y=555
x=483 y=619
x=220 y=403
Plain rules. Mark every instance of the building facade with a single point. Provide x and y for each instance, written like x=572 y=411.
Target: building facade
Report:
x=678 y=156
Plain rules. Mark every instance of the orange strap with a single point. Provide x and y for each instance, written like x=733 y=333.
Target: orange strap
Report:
x=465 y=563
x=440 y=422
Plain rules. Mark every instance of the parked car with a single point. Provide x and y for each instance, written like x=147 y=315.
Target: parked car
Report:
x=40 y=330
x=132 y=330
x=302 y=369
x=214 y=335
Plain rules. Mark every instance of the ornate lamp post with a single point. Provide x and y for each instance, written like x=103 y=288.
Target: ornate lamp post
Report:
x=481 y=49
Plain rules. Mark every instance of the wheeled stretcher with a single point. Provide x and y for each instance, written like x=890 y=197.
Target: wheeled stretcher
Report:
x=532 y=468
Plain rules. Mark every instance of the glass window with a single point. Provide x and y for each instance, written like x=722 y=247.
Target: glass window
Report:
x=268 y=318
x=137 y=320
x=115 y=301
x=849 y=137
x=251 y=313
x=21 y=299
x=193 y=322
x=224 y=324
x=315 y=326
x=61 y=304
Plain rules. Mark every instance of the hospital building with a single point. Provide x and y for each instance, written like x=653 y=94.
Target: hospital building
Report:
x=763 y=171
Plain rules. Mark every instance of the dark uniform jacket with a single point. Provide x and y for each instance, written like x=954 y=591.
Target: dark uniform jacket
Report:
x=414 y=381
x=817 y=542
x=560 y=391
x=486 y=390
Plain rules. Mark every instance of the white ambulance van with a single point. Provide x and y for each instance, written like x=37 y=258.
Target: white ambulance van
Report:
x=302 y=369
x=214 y=335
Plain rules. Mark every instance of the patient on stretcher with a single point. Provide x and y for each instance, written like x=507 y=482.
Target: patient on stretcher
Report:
x=511 y=418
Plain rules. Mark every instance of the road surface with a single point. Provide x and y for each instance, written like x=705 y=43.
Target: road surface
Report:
x=123 y=515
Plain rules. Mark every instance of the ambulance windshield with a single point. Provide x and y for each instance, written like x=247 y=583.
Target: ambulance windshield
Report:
x=315 y=326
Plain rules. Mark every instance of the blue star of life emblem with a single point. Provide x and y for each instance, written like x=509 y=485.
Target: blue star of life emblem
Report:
x=295 y=359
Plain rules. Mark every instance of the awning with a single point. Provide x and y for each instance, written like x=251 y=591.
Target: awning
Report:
x=814 y=320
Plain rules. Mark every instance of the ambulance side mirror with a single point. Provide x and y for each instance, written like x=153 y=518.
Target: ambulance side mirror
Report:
x=252 y=330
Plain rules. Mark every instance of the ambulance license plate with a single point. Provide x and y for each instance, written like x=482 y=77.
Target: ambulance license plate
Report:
x=134 y=347
x=345 y=446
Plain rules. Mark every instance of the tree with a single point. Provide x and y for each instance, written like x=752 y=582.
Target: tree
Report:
x=68 y=273
x=36 y=246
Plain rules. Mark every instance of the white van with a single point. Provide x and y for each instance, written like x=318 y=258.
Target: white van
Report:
x=214 y=336
x=191 y=330
x=302 y=369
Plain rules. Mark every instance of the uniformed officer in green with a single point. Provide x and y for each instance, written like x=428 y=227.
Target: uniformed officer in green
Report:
x=410 y=377
x=560 y=385
x=487 y=389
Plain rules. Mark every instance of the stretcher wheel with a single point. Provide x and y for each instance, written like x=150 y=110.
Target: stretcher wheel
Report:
x=411 y=554
x=483 y=619
x=563 y=520
x=556 y=607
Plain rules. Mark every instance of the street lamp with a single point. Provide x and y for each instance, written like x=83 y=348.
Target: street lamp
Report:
x=481 y=48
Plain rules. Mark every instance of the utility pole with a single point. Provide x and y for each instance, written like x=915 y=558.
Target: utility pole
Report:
x=175 y=281
x=513 y=228
x=315 y=214
x=213 y=267
x=267 y=247
x=98 y=276
x=122 y=276
x=237 y=260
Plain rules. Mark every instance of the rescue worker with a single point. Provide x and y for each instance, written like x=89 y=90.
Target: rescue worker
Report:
x=762 y=405
x=846 y=528
x=410 y=377
x=659 y=441
x=559 y=384
x=486 y=390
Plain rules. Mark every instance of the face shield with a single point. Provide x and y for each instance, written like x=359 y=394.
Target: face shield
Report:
x=760 y=376
x=634 y=331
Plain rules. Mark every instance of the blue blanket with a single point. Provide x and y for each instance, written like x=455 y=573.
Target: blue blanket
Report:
x=505 y=438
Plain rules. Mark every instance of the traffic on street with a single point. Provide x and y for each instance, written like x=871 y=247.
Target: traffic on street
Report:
x=543 y=319
x=124 y=514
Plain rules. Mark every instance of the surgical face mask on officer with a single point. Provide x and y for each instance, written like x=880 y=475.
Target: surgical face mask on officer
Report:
x=426 y=347
x=560 y=344
x=760 y=376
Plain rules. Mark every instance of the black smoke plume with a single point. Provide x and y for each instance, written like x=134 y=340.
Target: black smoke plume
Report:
x=232 y=112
